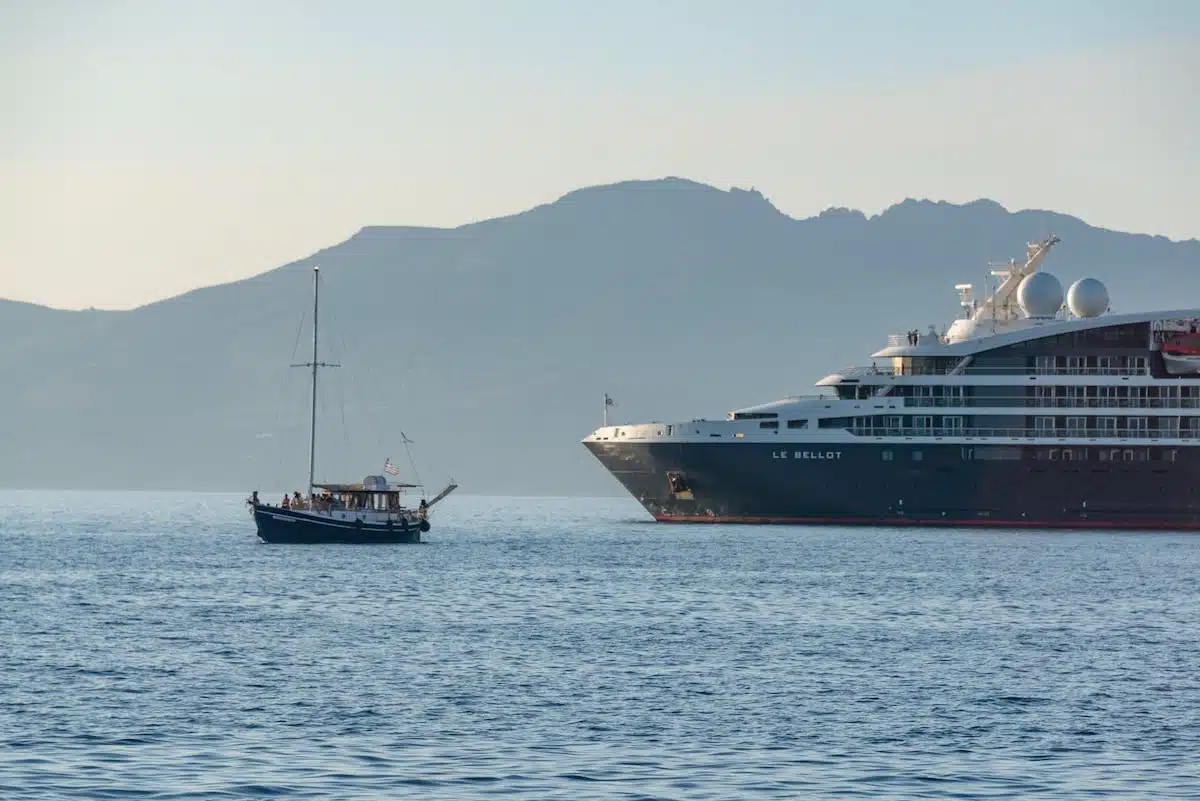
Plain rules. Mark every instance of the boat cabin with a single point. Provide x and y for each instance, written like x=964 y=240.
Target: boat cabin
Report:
x=373 y=494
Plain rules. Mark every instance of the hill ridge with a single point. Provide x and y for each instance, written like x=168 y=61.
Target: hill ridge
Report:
x=491 y=344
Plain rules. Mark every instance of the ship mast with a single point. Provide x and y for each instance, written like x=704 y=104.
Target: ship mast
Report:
x=1000 y=305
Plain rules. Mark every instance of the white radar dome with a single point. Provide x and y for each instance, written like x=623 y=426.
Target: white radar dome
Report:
x=1040 y=295
x=1087 y=297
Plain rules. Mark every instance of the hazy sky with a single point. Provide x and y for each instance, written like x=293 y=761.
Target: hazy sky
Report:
x=150 y=147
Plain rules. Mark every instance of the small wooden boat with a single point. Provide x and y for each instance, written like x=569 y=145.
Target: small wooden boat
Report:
x=368 y=512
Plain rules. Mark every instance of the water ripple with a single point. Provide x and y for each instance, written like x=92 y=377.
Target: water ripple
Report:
x=152 y=648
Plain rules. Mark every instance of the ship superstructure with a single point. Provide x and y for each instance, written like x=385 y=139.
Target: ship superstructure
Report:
x=1030 y=409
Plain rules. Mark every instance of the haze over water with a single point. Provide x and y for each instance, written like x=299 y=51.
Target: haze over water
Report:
x=565 y=649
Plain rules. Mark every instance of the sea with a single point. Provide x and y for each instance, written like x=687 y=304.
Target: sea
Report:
x=540 y=648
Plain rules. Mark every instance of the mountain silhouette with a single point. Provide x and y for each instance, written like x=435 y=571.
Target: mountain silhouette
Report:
x=491 y=345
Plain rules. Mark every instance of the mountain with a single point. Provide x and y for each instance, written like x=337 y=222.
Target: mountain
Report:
x=492 y=344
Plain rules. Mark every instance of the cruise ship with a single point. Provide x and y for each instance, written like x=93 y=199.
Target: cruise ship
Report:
x=1029 y=410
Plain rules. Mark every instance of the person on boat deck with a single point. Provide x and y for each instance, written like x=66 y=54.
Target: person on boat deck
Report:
x=284 y=503
x=423 y=508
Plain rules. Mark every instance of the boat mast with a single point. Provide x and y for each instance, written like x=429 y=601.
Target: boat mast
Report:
x=312 y=432
x=314 y=364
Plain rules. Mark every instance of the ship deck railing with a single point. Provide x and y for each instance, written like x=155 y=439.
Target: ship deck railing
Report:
x=923 y=338
x=1054 y=403
x=859 y=371
x=1025 y=433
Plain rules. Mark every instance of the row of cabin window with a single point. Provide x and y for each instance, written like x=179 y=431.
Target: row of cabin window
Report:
x=1112 y=424
x=1111 y=391
x=1106 y=455
x=917 y=456
x=1070 y=363
x=1075 y=454
x=1040 y=422
x=1134 y=335
x=1081 y=394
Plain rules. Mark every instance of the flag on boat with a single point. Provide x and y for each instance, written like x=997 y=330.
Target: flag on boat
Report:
x=608 y=401
x=390 y=468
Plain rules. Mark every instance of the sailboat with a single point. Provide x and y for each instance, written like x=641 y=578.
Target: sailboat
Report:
x=366 y=512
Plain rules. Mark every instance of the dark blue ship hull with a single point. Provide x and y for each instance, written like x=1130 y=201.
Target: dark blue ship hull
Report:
x=1145 y=487
x=278 y=525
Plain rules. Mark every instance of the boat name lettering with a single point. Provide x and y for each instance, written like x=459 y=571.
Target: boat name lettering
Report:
x=806 y=455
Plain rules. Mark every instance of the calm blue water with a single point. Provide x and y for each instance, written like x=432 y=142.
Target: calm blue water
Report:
x=151 y=647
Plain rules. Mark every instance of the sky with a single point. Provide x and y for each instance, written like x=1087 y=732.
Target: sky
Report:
x=150 y=147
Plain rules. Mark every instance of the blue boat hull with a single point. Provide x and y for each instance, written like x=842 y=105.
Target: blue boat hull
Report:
x=278 y=525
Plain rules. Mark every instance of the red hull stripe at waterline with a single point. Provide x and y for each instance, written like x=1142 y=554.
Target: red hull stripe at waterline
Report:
x=1142 y=525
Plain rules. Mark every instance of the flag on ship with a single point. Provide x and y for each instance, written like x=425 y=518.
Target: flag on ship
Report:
x=390 y=468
